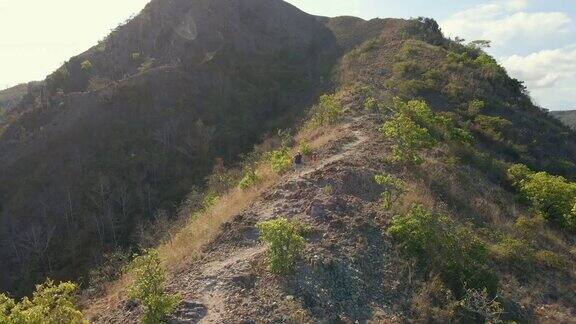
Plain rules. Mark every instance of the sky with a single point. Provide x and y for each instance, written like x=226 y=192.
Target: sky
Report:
x=535 y=40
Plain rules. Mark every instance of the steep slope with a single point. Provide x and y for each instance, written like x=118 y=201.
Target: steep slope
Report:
x=351 y=270
x=115 y=138
x=488 y=257
x=11 y=96
x=567 y=117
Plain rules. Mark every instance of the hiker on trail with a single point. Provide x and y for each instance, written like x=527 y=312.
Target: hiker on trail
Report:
x=297 y=161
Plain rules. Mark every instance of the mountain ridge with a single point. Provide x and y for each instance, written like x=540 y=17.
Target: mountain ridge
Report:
x=153 y=158
x=567 y=117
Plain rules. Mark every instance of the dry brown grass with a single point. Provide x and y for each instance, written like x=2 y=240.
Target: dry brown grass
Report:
x=185 y=245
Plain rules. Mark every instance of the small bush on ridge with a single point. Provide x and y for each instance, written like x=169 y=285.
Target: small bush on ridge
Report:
x=327 y=111
x=249 y=179
x=410 y=139
x=454 y=252
x=305 y=149
x=552 y=196
x=393 y=188
x=280 y=160
x=285 y=243
x=147 y=288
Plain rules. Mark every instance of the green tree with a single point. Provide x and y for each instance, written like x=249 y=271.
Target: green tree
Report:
x=393 y=188
x=285 y=243
x=327 y=111
x=280 y=160
x=50 y=303
x=148 y=288
x=552 y=196
x=409 y=137
x=454 y=252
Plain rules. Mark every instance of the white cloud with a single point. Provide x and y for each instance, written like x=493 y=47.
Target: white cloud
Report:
x=501 y=21
x=549 y=74
x=543 y=69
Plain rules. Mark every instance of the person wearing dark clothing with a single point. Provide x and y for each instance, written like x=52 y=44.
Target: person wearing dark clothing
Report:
x=298 y=159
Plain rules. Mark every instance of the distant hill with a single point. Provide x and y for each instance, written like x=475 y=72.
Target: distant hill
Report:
x=568 y=117
x=11 y=96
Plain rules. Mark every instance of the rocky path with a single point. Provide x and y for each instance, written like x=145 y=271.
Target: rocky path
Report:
x=216 y=283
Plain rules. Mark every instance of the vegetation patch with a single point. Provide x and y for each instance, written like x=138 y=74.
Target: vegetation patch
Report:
x=285 y=243
x=280 y=160
x=552 y=196
x=327 y=112
x=452 y=251
x=516 y=252
x=50 y=303
x=551 y=259
x=249 y=178
x=414 y=128
x=393 y=188
x=148 y=288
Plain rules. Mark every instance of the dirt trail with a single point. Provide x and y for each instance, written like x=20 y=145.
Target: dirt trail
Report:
x=209 y=286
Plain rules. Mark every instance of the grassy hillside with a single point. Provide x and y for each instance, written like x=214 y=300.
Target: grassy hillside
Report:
x=415 y=210
x=433 y=189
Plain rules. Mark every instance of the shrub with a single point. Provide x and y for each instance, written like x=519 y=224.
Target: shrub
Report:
x=407 y=69
x=280 y=160
x=86 y=66
x=551 y=259
x=50 y=303
x=415 y=127
x=369 y=45
x=202 y=203
x=528 y=226
x=475 y=107
x=393 y=188
x=434 y=303
x=480 y=303
x=284 y=242
x=491 y=127
x=146 y=65
x=459 y=257
x=327 y=111
x=6 y=306
x=370 y=103
x=249 y=179
x=553 y=196
x=513 y=250
x=305 y=149
x=147 y=288
x=410 y=138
